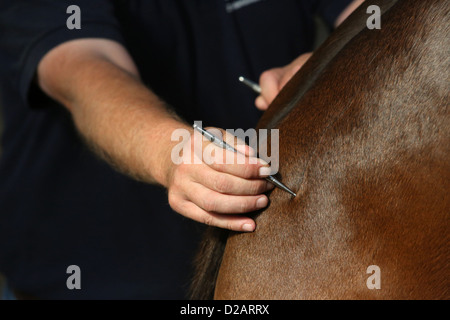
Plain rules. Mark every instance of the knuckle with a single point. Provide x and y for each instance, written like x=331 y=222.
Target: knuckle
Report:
x=208 y=220
x=221 y=167
x=208 y=204
x=170 y=198
x=180 y=170
x=265 y=76
x=173 y=201
x=248 y=171
x=178 y=177
x=257 y=187
x=222 y=185
x=244 y=206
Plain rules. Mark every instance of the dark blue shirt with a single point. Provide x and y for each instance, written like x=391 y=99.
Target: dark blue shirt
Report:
x=59 y=204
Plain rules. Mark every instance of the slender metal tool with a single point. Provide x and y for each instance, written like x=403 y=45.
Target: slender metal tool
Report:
x=252 y=85
x=224 y=145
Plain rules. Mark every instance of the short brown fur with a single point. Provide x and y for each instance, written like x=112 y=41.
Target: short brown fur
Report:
x=365 y=143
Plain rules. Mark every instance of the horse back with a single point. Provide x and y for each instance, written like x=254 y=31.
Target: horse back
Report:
x=366 y=147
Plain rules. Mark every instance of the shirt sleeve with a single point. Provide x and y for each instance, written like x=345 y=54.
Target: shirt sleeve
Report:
x=329 y=10
x=30 y=29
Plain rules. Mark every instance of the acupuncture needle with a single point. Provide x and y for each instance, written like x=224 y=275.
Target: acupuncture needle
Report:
x=252 y=85
x=219 y=142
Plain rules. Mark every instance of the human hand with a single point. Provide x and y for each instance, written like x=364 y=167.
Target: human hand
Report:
x=209 y=189
x=273 y=80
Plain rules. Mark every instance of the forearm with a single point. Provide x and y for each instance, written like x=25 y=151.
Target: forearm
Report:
x=124 y=121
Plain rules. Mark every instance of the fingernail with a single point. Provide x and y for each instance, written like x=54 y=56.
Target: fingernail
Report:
x=263 y=162
x=262 y=202
x=248 y=227
x=264 y=171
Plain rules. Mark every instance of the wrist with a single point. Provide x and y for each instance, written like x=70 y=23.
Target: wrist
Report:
x=159 y=152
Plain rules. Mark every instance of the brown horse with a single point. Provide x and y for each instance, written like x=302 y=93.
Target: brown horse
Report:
x=365 y=144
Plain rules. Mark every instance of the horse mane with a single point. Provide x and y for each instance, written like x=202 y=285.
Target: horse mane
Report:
x=207 y=263
x=209 y=257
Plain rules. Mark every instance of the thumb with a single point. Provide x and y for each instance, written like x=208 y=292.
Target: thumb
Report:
x=270 y=86
x=291 y=69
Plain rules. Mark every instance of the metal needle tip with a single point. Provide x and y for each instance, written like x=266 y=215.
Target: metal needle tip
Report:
x=281 y=185
x=252 y=85
x=225 y=145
